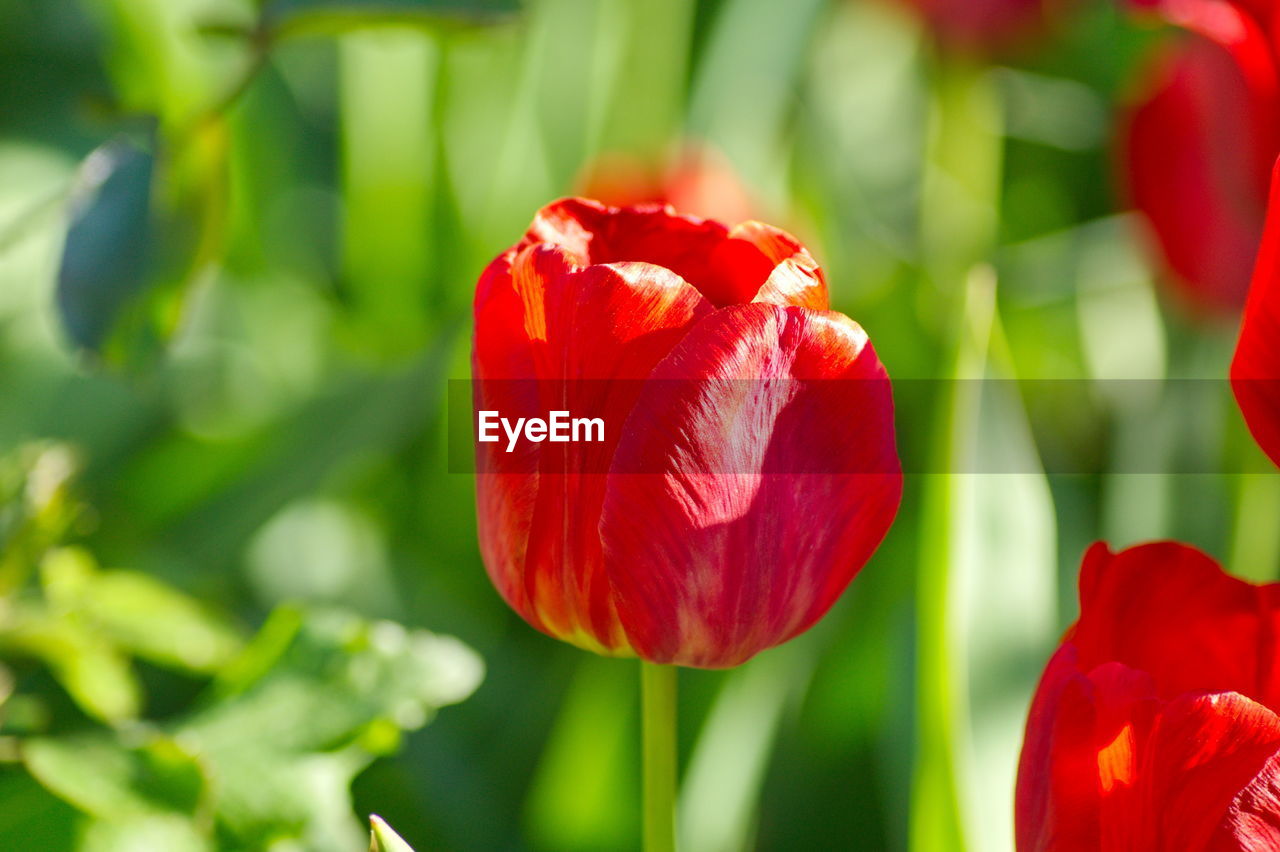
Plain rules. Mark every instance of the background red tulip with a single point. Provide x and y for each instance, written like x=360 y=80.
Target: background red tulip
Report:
x=697 y=181
x=1199 y=143
x=687 y=536
x=1154 y=726
x=1255 y=370
x=982 y=25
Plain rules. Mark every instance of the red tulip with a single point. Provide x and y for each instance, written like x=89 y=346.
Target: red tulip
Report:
x=979 y=26
x=1154 y=726
x=1199 y=144
x=1255 y=370
x=704 y=528
x=698 y=180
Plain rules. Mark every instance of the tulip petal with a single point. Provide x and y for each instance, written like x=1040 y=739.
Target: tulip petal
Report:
x=1078 y=768
x=1104 y=767
x=1147 y=751
x=1168 y=609
x=1198 y=149
x=1055 y=808
x=1252 y=823
x=716 y=547
x=1255 y=369
x=1234 y=24
x=538 y=314
x=1203 y=751
x=796 y=278
x=728 y=266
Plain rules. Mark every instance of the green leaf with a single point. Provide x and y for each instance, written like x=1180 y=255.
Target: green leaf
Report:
x=93 y=671
x=740 y=96
x=1005 y=594
x=108 y=780
x=138 y=613
x=272 y=753
x=106 y=257
x=383 y=839
x=937 y=821
x=31 y=817
x=170 y=833
x=36 y=507
x=582 y=795
x=305 y=709
x=461 y=8
x=266 y=795
x=289 y=18
x=388 y=175
x=148 y=222
x=726 y=774
x=334 y=676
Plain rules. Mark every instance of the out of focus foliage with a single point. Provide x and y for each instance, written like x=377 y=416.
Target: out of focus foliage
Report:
x=238 y=242
x=263 y=752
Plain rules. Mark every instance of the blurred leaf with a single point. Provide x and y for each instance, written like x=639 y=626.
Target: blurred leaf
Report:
x=159 y=62
x=741 y=95
x=860 y=178
x=144 y=229
x=313 y=699
x=272 y=754
x=32 y=818
x=719 y=802
x=145 y=834
x=460 y=8
x=105 y=261
x=36 y=507
x=383 y=839
x=111 y=781
x=94 y=673
x=1052 y=111
x=387 y=86
x=317 y=680
x=287 y=18
x=582 y=796
x=1005 y=592
x=138 y=613
x=352 y=417
x=642 y=112
x=937 y=820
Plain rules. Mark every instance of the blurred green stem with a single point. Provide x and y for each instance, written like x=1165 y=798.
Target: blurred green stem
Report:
x=658 y=700
x=958 y=226
x=1254 y=552
x=388 y=84
x=1255 y=536
x=302 y=23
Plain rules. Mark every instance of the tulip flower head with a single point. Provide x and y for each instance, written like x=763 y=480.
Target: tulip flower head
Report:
x=1199 y=142
x=982 y=26
x=1255 y=370
x=748 y=468
x=1155 y=724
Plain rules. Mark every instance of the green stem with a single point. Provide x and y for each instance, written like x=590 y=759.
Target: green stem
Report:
x=1255 y=538
x=959 y=219
x=1254 y=552
x=658 y=699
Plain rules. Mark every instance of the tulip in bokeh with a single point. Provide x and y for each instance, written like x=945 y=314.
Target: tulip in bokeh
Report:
x=981 y=26
x=698 y=181
x=1199 y=143
x=1155 y=724
x=706 y=527
x=1255 y=370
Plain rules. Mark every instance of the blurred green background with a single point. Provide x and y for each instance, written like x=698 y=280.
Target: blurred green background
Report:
x=227 y=525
